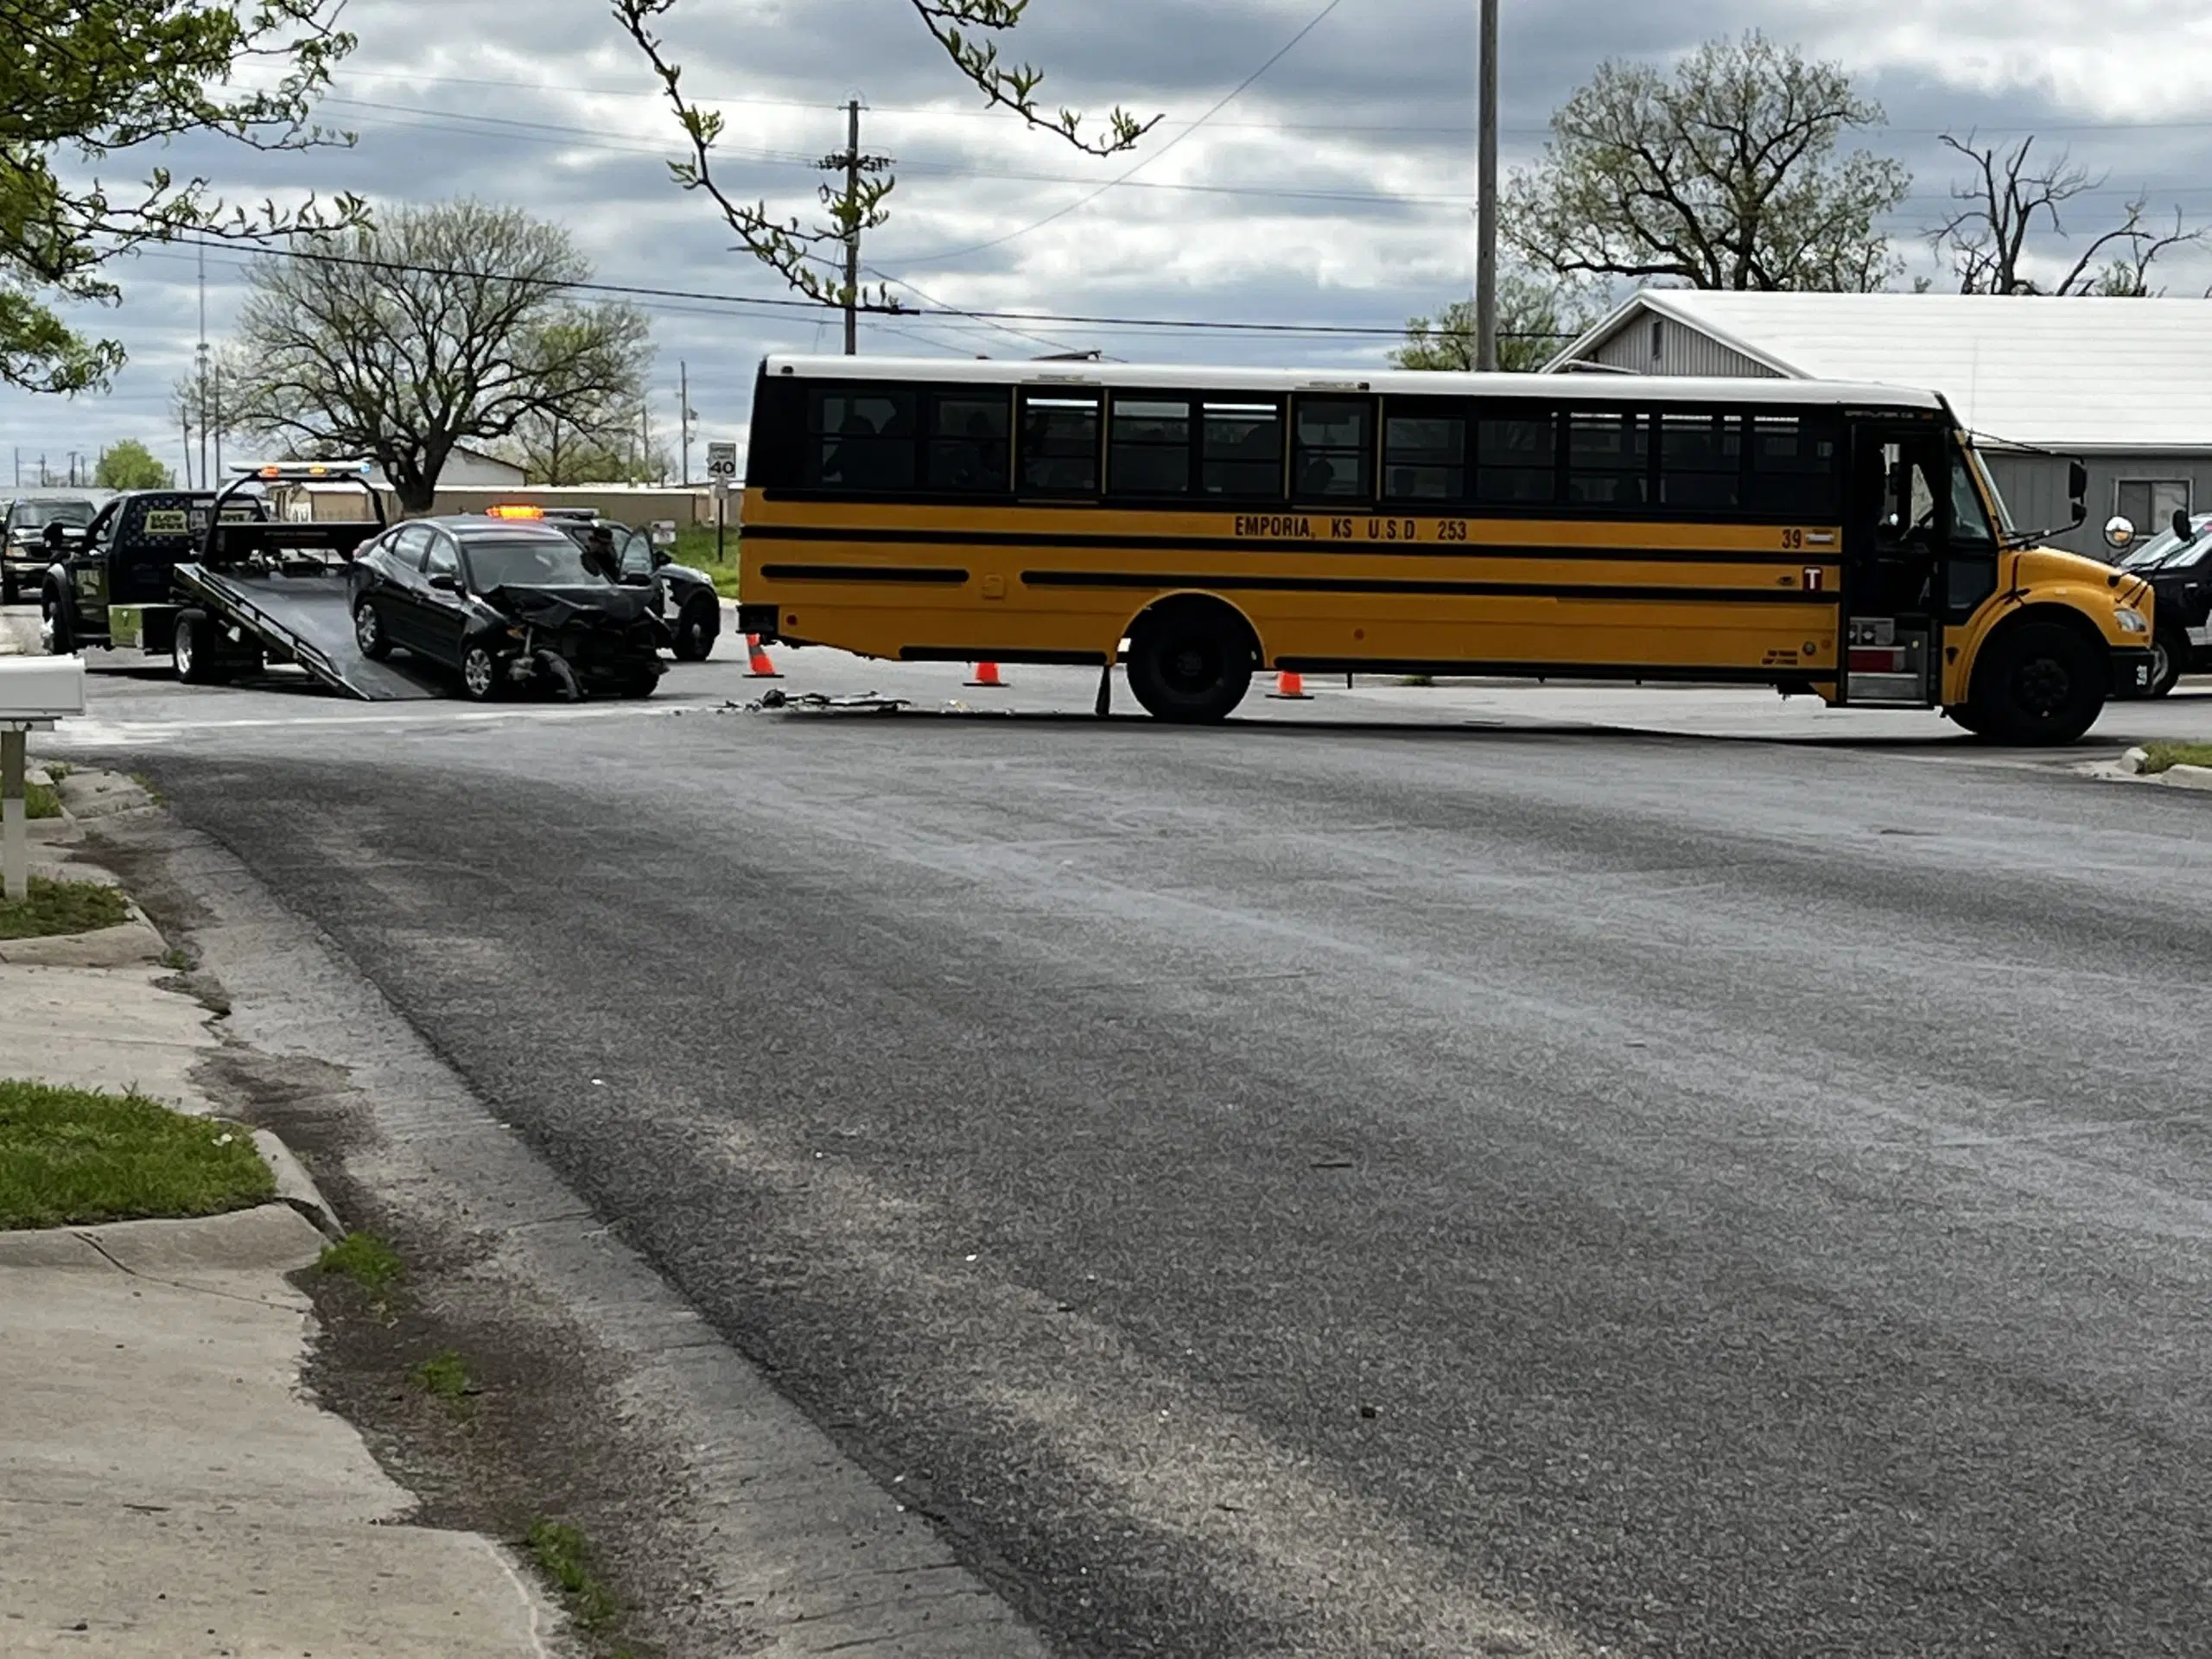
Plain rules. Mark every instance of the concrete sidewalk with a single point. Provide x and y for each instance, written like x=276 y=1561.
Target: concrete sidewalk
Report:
x=165 y=1489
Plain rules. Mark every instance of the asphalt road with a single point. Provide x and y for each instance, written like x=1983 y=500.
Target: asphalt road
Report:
x=1349 y=1188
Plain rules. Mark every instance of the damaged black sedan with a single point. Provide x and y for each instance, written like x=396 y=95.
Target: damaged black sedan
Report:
x=507 y=607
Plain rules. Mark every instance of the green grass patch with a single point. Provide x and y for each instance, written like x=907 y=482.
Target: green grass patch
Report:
x=695 y=546
x=57 y=770
x=41 y=801
x=563 y=1554
x=153 y=789
x=72 y=1158
x=1417 y=679
x=2164 y=757
x=56 y=908
x=445 y=1376
x=366 y=1260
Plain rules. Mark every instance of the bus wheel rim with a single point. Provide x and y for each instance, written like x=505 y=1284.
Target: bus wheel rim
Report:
x=2044 y=686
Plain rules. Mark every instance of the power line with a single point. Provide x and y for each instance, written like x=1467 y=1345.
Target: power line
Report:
x=1234 y=93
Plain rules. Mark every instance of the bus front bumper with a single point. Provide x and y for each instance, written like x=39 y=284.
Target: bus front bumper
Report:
x=2131 y=672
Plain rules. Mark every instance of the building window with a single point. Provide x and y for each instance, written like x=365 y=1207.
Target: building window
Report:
x=1425 y=458
x=1516 y=460
x=968 y=443
x=1150 y=452
x=1609 y=459
x=2149 y=504
x=1060 y=443
x=1335 y=450
x=1702 y=461
x=1241 y=455
x=861 y=440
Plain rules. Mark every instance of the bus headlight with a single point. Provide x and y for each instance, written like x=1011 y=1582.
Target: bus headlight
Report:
x=2130 y=621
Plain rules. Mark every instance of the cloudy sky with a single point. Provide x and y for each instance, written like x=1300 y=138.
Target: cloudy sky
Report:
x=1336 y=190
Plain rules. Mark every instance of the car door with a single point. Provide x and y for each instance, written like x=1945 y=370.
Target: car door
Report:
x=395 y=585
x=444 y=604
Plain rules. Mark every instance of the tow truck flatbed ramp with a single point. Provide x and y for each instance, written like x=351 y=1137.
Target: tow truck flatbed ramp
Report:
x=307 y=618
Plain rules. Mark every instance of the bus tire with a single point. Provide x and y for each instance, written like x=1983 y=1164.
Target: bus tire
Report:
x=2039 y=683
x=197 y=650
x=1191 y=661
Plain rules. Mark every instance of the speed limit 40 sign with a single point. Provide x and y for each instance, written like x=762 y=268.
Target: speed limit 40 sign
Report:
x=722 y=461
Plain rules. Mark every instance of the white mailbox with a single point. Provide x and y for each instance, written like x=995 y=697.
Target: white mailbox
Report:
x=35 y=690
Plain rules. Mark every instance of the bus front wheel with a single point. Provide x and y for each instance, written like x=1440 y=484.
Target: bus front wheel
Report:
x=1191 y=662
x=2039 y=683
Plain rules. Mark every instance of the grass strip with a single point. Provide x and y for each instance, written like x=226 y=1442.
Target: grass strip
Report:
x=2164 y=757
x=58 y=907
x=41 y=801
x=563 y=1554
x=365 y=1259
x=69 y=1157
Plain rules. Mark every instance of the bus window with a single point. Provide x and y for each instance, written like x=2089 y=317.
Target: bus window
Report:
x=1516 y=460
x=863 y=441
x=1060 y=443
x=1702 y=461
x=1424 y=457
x=1334 y=450
x=1149 y=453
x=1608 y=459
x=1794 y=467
x=968 y=443
x=1241 y=455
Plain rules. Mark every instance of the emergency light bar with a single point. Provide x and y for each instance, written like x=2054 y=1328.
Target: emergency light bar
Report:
x=518 y=511
x=305 y=472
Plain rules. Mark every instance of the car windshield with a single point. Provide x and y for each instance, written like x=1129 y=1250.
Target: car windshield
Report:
x=539 y=561
x=38 y=515
x=2170 y=551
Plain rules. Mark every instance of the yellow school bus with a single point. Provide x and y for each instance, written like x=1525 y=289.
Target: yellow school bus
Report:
x=1202 y=524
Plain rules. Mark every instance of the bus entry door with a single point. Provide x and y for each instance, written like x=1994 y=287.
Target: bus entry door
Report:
x=1895 y=529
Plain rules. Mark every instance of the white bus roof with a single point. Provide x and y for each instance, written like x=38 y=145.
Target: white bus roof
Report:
x=1188 y=376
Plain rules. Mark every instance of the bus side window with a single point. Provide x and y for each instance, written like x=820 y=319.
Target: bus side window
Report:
x=1060 y=442
x=1701 y=463
x=1239 y=451
x=1609 y=459
x=1793 y=467
x=1424 y=453
x=967 y=449
x=861 y=439
x=1333 y=457
x=1517 y=459
x=1148 y=452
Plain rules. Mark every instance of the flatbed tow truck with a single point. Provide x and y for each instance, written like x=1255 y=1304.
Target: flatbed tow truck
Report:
x=258 y=590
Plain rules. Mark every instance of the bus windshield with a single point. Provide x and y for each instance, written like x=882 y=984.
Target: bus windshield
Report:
x=2005 y=528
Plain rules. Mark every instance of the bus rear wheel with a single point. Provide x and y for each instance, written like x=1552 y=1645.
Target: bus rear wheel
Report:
x=2039 y=683
x=1191 y=662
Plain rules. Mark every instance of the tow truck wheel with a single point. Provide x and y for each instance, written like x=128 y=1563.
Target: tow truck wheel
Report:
x=197 y=663
x=7 y=593
x=368 y=631
x=481 y=674
x=2039 y=683
x=61 y=638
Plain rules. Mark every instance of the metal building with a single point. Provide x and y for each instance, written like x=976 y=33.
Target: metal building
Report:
x=2124 y=385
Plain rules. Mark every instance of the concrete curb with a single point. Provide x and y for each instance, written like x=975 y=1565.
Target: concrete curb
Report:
x=2199 y=778
x=2135 y=761
x=295 y=1187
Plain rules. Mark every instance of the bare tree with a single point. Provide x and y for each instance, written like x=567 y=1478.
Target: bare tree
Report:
x=1989 y=239
x=448 y=324
x=965 y=30
x=1725 y=176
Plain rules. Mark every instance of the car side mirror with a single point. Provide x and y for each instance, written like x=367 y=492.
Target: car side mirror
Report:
x=663 y=559
x=2182 y=527
x=2119 y=533
x=446 y=583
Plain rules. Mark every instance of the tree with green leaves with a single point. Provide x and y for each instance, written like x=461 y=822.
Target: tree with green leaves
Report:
x=967 y=32
x=581 y=445
x=442 y=325
x=1536 y=320
x=130 y=465
x=1724 y=174
x=84 y=82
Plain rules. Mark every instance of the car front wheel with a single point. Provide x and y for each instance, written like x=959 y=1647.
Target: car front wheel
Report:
x=482 y=674
x=368 y=631
x=697 y=631
x=2169 y=659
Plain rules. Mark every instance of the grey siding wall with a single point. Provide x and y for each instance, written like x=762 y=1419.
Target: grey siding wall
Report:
x=1681 y=351
x=2034 y=487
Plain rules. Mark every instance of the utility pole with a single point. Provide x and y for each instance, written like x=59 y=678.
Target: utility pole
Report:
x=683 y=398
x=201 y=354
x=1486 y=203
x=853 y=235
x=184 y=429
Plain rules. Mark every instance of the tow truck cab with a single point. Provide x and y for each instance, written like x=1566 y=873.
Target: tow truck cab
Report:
x=124 y=565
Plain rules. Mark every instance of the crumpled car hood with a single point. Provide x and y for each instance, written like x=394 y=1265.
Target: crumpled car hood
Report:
x=557 y=608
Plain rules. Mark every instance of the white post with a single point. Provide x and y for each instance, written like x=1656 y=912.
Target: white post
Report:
x=15 y=837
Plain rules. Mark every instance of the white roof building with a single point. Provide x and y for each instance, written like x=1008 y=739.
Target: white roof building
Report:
x=2126 y=385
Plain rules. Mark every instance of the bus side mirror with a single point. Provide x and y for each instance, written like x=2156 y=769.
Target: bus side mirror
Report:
x=2119 y=534
x=2077 y=490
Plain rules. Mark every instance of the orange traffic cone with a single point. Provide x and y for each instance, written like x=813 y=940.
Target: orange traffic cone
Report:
x=1290 y=688
x=987 y=678
x=764 y=667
